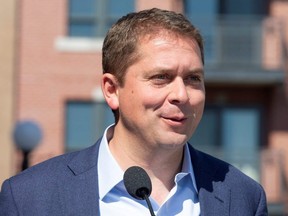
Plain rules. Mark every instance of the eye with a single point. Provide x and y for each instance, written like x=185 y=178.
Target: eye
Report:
x=160 y=76
x=194 y=79
x=160 y=79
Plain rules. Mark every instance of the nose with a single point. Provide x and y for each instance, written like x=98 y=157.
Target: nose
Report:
x=178 y=93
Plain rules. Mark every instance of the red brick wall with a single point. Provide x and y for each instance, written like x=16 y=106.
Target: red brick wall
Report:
x=47 y=77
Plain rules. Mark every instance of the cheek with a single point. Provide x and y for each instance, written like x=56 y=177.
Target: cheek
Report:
x=150 y=98
x=155 y=101
x=198 y=102
x=197 y=97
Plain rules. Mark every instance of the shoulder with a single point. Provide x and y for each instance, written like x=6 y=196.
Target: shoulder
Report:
x=49 y=183
x=217 y=178
x=54 y=169
x=218 y=171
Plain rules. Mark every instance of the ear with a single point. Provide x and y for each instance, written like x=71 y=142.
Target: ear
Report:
x=110 y=87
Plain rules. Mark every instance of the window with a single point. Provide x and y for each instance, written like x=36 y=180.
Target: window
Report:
x=232 y=134
x=231 y=29
x=92 y=18
x=203 y=14
x=244 y=7
x=85 y=123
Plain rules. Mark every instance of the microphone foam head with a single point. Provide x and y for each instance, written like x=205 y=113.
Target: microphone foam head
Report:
x=137 y=182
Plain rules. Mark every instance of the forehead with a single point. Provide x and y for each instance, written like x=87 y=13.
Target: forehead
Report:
x=167 y=37
x=168 y=53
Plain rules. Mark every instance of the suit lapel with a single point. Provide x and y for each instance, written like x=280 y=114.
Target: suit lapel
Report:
x=215 y=202
x=80 y=196
x=214 y=195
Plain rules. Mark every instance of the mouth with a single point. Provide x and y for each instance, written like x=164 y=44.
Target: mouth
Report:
x=175 y=119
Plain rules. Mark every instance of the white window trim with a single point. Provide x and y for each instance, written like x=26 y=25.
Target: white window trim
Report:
x=78 y=44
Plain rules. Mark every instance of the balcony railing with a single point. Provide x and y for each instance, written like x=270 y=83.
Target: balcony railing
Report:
x=243 y=42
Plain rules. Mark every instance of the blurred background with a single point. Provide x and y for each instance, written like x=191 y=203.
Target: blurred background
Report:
x=51 y=101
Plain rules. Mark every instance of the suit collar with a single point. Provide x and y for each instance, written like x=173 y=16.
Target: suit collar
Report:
x=85 y=160
x=210 y=174
x=80 y=193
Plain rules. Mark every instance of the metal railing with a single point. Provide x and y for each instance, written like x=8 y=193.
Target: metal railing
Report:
x=242 y=41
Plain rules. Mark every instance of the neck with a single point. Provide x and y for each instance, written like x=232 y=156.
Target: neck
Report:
x=152 y=160
x=161 y=164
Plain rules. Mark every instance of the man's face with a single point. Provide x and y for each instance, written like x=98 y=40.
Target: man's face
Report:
x=162 y=99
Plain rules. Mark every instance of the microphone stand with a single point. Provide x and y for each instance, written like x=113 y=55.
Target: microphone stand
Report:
x=144 y=194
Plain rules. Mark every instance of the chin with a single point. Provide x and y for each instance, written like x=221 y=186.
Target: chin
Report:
x=174 y=145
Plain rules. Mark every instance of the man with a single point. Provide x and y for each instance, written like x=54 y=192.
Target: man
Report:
x=153 y=81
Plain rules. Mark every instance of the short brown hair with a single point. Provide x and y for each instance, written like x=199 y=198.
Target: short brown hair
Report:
x=120 y=44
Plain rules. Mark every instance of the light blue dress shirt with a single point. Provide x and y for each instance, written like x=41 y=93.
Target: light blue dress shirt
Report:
x=115 y=200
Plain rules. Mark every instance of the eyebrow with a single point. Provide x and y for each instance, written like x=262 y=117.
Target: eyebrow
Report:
x=166 y=70
x=197 y=70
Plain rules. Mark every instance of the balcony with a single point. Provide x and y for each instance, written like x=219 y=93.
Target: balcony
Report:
x=243 y=49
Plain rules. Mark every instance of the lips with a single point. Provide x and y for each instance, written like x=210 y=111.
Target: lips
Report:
x=175 y=118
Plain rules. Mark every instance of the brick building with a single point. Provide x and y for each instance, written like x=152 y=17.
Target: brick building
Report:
x=57 y=67
x=7 y=91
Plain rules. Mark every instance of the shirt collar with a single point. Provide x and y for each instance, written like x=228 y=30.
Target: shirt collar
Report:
x=110 y=173
x=187 y=168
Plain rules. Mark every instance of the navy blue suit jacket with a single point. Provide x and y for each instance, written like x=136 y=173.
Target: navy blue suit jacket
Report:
x=68 y=185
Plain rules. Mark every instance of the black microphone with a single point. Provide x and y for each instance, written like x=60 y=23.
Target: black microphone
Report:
x=138 y=185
